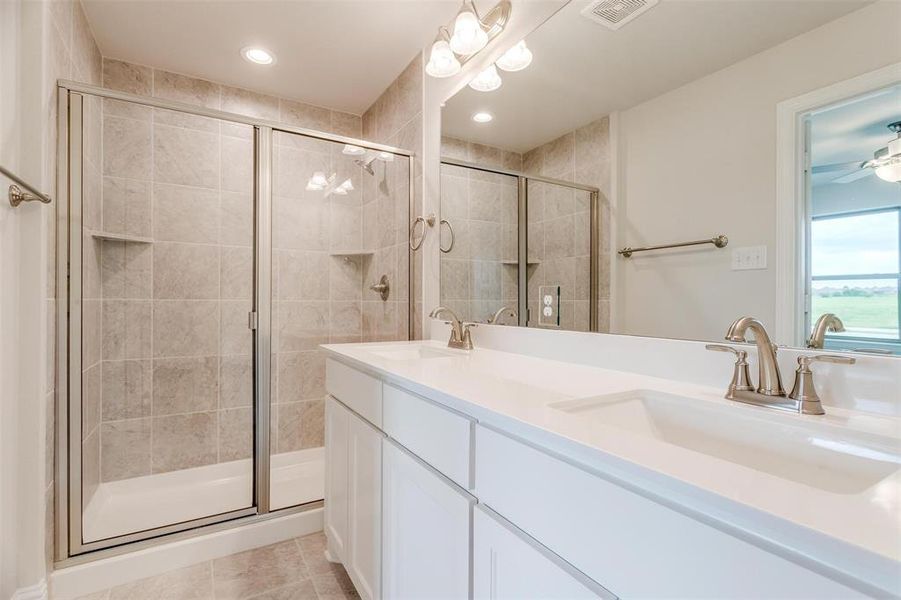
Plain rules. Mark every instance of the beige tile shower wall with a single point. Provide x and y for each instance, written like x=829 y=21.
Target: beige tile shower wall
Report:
x=70 y=52
x=479 y=274
x=395 y=119
x=559 y=218
x=178 y=389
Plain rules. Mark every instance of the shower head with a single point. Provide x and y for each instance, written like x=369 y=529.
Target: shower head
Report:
x=366 y=164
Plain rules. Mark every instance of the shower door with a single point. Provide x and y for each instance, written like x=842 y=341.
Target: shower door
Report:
x=160 y=355
x=204 y=257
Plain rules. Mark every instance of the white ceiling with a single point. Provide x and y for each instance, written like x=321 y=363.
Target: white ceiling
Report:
x=854 y=130
x=341 y=54
x=582 y=71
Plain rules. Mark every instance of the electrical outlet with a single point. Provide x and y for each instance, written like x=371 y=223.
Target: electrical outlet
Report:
x=749 y=258
x=549 y=305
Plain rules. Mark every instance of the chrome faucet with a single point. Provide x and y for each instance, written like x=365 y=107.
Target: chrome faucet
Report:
x=460 y=337
x=803 y=398
x=502 y=312
x=826 y=322
x=769 y=381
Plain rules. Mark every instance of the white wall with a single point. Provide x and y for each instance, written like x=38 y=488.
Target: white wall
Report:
x=701 y=160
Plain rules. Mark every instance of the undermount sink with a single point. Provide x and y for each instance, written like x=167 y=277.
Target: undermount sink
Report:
x=810 y=454
x=411 y=352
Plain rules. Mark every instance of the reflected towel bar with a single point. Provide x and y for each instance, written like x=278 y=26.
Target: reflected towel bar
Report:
x=719 y=241
x=17 y=196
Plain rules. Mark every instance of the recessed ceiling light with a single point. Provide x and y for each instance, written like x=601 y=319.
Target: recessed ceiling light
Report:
x=257 y=55
x=482 y=117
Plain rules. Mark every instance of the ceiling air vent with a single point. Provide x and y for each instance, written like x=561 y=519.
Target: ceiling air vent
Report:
x=613 y=14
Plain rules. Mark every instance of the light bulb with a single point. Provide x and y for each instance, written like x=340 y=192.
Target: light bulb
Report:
x=516 y=58
x=486 y=81
x=468 y=37
x=442 y=62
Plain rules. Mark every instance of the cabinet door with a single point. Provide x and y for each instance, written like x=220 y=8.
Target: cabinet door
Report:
x=364 y=507
x=506 y=564
x=337 y=423
x=425 y=530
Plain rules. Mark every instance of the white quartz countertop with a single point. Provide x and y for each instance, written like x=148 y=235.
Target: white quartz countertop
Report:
x=852 y=533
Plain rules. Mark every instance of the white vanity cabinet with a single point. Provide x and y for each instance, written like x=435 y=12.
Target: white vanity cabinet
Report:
x=509 y=566
x=354 y=496
x=426 y=530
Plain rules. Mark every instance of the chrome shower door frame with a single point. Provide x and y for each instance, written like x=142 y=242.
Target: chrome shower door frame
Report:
x=523 y=180
x=70 y=548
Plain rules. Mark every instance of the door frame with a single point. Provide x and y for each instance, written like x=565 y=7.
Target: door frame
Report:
x=792 y=196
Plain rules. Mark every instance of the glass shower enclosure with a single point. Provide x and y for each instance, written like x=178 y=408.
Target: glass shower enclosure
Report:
x=204 y=257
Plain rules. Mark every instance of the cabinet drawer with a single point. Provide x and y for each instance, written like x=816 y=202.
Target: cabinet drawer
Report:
x=631 y=545
x=362 y=393
x=436 y=435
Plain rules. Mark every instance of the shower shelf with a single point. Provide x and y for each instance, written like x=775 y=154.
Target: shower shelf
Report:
x=351 y=253
x=120 y=237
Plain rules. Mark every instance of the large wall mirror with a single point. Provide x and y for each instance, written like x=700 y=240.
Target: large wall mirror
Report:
x=628 y=179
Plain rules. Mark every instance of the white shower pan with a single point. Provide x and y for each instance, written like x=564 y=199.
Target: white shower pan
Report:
x=141 y=503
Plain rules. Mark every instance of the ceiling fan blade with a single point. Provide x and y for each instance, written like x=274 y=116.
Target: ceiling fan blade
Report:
x=845 y=166
x=859 y=174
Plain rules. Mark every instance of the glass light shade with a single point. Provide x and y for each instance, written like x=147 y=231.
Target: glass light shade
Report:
x=890 y=171
x=442 y=62
x=317 y=182
x=486 y=81
x=352 y=150
x=516 y=58
x=468 y=37
x=386 y=157
x=347 y=186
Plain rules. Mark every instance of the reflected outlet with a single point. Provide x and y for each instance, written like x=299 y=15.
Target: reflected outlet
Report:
x=549 y=305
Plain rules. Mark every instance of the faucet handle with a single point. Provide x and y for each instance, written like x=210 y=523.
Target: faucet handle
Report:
x=804 y=361
x=804 y=392
x=741 y=376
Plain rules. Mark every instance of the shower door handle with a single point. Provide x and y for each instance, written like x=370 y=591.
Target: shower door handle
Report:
x=452 y=239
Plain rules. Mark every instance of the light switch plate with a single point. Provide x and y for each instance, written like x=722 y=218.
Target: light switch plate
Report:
x=748 y=258
x=549 y=305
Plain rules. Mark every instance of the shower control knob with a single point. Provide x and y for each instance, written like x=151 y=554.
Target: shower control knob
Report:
x=382 y=287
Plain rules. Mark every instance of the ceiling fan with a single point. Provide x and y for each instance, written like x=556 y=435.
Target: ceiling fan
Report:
x=885 y=164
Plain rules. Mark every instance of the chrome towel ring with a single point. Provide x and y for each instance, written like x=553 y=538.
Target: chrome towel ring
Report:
x=430 y=221
x=453 y=236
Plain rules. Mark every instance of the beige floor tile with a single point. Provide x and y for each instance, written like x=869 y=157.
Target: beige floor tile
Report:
x=334 y=586
x=312 y=547
x=253 y=572
x=101 y=595
x=303 y=590
x=194 y=583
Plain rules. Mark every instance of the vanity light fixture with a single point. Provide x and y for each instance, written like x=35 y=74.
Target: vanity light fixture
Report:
x=516 y=58
x=471 y=33
x=486 y=81
x=482 y=117
x=351 y=150
x=469 y=37
x=442 y=61
x=257 y=55
x=317 y=182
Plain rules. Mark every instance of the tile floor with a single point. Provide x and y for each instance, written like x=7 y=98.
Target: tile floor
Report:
x=291 y=570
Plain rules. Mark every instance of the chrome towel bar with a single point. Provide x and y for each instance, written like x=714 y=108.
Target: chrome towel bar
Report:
x=719 y=241
x=17 y=196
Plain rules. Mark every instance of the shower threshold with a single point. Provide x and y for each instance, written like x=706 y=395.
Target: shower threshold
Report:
x=142 y=503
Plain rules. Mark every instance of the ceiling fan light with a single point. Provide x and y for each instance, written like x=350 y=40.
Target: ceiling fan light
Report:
x=890 y=170
x=468 y=37
x=442 y=62
x=516 y=58
x=486 y=81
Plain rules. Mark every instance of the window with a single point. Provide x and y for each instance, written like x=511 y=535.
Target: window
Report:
x=855 y=268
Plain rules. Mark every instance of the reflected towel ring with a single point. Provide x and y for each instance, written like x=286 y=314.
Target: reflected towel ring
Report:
x=430 y=221
x=453 y=236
